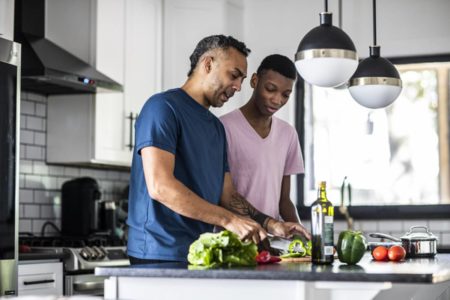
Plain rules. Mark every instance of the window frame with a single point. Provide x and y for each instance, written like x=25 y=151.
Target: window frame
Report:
x=372 y=212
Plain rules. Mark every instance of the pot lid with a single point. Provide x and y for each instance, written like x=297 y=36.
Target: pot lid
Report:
x=416 y=234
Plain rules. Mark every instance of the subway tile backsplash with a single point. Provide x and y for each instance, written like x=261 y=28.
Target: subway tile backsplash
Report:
x=40 y=184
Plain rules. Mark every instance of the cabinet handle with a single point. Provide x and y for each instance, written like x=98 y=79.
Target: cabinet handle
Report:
x=38 y=281
x=132 y=118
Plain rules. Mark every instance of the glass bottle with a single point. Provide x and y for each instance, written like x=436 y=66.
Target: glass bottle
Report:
x=322 y=213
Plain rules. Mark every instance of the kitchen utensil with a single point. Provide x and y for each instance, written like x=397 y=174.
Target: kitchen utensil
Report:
x=281 y=244
x=416 y=243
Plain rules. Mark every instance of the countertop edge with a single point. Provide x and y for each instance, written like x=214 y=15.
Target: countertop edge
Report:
x=268 y=275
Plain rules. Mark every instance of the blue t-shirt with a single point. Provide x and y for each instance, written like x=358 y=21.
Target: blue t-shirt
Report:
x=174 y=122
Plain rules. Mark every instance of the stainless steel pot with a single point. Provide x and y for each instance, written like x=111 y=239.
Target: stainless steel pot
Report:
x=416 y=243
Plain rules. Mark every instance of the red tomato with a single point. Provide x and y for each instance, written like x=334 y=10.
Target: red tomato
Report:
x=396 y=253
x=380 y=253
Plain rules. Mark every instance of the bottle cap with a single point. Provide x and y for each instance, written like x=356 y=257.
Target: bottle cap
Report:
x=323 y=184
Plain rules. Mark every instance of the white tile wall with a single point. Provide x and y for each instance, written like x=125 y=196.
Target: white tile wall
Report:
x=40 y=183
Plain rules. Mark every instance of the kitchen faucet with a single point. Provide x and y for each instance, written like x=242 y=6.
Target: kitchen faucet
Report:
x=343 y=209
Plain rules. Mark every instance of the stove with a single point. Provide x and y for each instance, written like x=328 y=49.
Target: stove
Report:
x=88 y=258
x=82 y=256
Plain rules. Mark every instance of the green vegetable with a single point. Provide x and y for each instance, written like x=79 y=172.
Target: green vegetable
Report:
x=298 y=249
x=351 y=247
x=308 y=248
x=296 y=246
x=223 y=249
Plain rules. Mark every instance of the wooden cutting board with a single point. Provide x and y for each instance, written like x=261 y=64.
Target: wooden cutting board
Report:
x=296 y=259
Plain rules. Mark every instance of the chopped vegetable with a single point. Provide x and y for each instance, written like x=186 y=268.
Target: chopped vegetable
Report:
x=296 y=246
x=223 y=249
x=298 y=249
x=264 y=257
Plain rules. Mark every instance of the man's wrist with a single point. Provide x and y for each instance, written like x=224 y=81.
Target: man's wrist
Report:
x=262 y=220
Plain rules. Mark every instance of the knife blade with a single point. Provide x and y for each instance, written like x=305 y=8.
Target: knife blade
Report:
x=282 y=244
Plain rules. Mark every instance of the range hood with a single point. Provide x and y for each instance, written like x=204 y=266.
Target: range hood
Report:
x=46 y=67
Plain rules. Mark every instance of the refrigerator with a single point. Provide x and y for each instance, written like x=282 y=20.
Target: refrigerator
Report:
x=9 y=164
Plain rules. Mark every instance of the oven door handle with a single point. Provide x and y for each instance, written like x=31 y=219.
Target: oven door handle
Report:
x=38 y=281
x=88 y=286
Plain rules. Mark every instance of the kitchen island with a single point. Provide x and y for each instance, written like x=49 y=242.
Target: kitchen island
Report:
x=414 y=278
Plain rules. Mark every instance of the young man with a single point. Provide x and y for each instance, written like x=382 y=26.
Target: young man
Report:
x=263 y=151
x=180 y=184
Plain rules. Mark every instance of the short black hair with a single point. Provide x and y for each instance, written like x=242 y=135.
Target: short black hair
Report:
x=278 y=63
x=214 y=42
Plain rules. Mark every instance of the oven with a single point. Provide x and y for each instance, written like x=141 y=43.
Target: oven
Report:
x=80 y=258
x=80 y=265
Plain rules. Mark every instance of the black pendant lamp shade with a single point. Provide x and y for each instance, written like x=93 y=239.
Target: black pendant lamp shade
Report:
x=326 y=56
x=376 y=82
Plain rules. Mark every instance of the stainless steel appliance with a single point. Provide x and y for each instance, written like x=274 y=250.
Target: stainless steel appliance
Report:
x=79 y=275
x=48 y=68
x=82 y=256
x=9 y=163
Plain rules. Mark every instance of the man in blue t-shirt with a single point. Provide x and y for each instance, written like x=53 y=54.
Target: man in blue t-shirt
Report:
x=180 y=183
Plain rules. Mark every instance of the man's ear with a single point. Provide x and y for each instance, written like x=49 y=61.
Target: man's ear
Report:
x=254 y=80
x=207 y=64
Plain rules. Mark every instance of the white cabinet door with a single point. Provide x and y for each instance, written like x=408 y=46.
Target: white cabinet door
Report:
x=143 y=48
x=7 y=19
x=41 y=279
x=110 y=144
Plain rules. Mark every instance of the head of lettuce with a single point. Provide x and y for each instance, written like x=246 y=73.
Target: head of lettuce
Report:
x=223 y=249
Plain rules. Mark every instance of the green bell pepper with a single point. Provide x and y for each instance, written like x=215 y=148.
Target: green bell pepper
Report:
x=351 y=247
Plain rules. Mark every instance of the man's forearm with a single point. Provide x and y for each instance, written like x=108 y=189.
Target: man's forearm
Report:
x=241 y=206
x=176 y=196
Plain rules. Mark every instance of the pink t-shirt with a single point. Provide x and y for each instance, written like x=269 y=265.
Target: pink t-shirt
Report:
x=258 y=165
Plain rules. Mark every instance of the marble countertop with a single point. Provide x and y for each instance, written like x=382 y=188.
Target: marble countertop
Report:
x=419 y=270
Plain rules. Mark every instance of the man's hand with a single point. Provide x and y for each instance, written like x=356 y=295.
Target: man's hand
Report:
x=246 y=229
x=287 y=229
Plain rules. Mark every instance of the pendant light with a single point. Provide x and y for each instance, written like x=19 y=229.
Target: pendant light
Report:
x=376 y=83
x=326 y=56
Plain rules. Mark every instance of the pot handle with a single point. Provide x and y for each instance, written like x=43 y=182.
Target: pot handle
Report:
x=385 y=236
x=411 y=229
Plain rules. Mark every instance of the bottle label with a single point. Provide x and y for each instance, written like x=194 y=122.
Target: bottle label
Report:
x=328 y=220
x=328 y=233
x=328 y=250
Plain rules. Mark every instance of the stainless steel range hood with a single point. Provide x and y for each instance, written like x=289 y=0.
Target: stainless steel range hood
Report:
x=46 y=67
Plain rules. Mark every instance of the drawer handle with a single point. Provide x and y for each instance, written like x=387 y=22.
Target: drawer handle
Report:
x=88 y=286
x=38 y=281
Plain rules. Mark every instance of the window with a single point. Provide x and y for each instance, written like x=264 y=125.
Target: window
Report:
x=391 y=157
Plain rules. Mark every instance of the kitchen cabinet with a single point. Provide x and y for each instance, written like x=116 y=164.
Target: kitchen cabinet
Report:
x=7 y=19
x=98 y=129
x=186 y=23
x=40 y=278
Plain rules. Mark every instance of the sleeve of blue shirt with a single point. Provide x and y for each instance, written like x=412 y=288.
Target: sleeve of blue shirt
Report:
x=157 y=126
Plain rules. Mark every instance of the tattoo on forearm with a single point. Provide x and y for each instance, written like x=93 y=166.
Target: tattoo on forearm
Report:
x=241 y=206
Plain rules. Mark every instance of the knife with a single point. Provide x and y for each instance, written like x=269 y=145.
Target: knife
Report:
x=282 y=244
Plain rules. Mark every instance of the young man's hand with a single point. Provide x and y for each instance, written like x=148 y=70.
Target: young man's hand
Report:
x=287 y=229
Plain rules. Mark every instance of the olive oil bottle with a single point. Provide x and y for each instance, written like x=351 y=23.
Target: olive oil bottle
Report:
x=322 y=214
